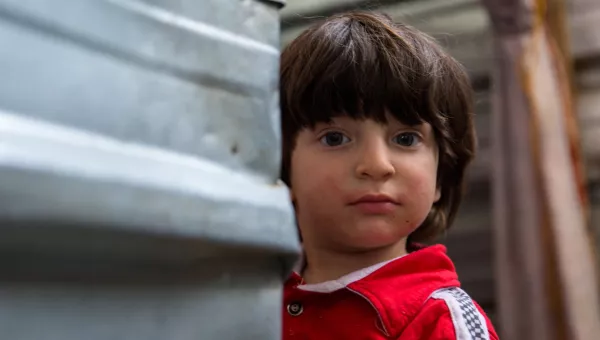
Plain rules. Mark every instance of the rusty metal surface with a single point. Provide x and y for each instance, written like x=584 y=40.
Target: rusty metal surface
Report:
x=139 y=157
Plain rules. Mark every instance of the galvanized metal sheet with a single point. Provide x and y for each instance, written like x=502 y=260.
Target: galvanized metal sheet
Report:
x=57 y=175
x=143 y=74
x=139 y=156
x=223 y=300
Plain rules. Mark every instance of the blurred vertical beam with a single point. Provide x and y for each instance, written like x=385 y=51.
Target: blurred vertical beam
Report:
x=557 y=23
x=574 y=248
x=544 y=263
x=522 y=306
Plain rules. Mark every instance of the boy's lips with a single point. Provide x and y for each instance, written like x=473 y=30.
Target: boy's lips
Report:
x=375 y=204
x=373 y=198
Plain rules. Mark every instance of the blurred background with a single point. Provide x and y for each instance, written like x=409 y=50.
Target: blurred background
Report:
x=463 y=27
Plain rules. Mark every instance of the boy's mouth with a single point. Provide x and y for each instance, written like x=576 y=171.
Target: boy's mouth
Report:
x=375 y=204
x=374 y=198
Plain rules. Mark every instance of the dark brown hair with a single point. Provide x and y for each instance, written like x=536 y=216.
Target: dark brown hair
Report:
x=362 y=64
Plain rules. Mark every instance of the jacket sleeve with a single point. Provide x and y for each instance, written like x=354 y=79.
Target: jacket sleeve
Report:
x=450 y=316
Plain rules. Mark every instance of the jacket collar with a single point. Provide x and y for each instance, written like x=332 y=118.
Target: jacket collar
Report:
x=396 y=289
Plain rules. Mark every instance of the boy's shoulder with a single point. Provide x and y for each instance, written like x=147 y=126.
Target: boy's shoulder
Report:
x=450 y=313
x=423 y=298
x=413 y=297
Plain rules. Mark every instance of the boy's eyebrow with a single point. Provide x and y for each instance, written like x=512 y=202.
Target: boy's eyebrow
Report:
x=413 y=125
x=331 y=121
x=419 y=124
x=321 y=124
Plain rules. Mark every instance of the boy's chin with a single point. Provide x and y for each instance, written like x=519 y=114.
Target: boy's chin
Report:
x=379 y=231
x=375 y=247
x=375 y=240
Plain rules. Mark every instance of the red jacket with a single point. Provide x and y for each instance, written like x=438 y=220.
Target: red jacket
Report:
x=415 y=297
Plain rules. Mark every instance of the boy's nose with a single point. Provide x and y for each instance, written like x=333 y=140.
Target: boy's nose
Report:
x=374 y=162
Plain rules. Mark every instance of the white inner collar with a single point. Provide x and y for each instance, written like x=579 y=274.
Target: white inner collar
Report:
x=344 y=281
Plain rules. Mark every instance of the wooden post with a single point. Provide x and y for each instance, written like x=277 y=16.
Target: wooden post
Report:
x=557 y=23
x=544 y=261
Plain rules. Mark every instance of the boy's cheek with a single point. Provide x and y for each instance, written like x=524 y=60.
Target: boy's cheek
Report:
x=420 y=193
x=420 y=176
x=323 y=188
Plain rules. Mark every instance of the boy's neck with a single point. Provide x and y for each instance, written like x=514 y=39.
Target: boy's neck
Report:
x=326 y=265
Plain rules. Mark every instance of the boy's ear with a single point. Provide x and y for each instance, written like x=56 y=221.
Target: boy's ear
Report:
x=438 y=194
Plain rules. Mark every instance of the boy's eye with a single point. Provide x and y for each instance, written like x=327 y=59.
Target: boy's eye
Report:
x=407 y=139
x=334 y=139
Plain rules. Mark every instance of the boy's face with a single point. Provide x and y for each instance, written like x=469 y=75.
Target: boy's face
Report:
x=359 y=185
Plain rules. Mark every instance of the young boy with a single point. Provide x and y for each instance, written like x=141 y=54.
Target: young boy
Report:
x=377 y=132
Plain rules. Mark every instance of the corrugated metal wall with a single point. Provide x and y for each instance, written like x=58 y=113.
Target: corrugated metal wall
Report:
x=139 y=157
